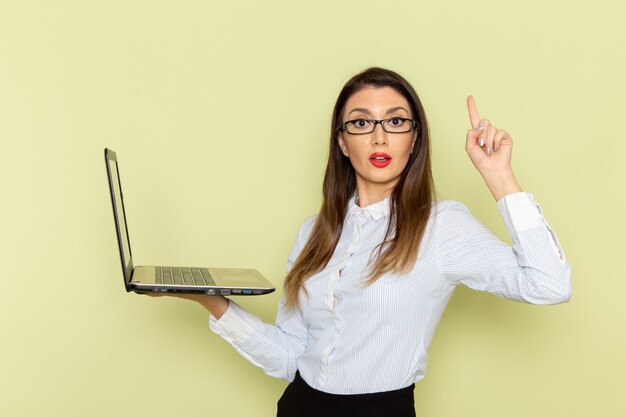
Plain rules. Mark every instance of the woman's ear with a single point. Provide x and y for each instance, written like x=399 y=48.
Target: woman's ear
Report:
x=342 y=145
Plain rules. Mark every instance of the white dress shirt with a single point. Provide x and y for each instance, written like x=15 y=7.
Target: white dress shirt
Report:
x=351 y=338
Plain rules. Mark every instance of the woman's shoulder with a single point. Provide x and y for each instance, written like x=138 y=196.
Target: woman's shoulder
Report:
x=306 y=227
x=308 y=223
x=451 y=213
x=448 y=206
x=452 y=216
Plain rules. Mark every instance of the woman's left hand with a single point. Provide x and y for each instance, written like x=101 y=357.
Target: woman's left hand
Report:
x=490 y=151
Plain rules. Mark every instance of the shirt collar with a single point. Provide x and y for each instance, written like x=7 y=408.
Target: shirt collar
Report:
x=376 y=211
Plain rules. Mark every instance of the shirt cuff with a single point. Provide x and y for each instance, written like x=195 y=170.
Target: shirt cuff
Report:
x=236 y=324
x=520 y=211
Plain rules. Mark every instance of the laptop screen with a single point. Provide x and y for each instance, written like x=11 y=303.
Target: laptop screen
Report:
x=120 y=215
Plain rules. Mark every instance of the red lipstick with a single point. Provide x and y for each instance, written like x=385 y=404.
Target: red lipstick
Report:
x=380 y=159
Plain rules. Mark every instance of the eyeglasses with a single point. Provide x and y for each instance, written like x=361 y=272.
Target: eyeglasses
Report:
x=391 y=125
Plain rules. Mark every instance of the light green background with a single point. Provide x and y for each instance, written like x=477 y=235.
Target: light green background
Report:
x=219 y=112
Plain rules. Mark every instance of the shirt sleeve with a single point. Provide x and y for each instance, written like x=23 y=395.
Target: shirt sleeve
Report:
x=273 y=348
x=533 y=270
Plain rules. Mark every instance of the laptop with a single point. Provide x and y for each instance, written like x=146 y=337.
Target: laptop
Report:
x=164 y=279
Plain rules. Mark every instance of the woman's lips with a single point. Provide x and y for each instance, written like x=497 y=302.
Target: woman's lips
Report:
x=380 y=159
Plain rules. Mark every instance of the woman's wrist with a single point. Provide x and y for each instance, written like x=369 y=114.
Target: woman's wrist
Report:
x=215 y=304
x=502 y=184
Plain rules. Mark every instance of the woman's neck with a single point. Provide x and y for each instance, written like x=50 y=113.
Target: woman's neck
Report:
x=372 y=193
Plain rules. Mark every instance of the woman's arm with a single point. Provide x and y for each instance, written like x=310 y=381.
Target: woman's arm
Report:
x=274 y=348
x=534 y=270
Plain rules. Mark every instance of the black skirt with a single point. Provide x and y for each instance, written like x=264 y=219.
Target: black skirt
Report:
x=300 y=400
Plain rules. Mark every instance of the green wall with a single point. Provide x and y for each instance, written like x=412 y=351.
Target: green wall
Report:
x=219 y=112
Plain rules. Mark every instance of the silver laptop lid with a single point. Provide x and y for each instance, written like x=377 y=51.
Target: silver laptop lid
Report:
x=117 y=199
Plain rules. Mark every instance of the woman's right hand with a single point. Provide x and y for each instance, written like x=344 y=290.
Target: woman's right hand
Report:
x=215 y=304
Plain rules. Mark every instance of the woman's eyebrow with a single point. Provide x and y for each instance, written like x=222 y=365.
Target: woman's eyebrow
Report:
x=366 y=111
x=362 y=110
x=395 y=109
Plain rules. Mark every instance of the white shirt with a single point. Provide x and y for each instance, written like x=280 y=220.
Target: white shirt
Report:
x=349 y=338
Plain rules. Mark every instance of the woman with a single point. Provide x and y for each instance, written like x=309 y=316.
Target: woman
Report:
x=370 y=275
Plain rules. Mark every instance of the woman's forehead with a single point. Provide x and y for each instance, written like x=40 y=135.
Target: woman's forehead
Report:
x=376 y=100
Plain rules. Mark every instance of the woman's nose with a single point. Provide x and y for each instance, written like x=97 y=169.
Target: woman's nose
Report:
x=379 y=136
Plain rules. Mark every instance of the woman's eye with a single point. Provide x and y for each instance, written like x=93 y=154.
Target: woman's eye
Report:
x=395 y=121
x=361 y=123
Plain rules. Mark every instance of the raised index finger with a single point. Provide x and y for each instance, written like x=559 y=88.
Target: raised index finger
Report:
x=473 y=112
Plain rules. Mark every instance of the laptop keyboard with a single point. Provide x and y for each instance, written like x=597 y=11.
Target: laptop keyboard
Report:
x=183 y=276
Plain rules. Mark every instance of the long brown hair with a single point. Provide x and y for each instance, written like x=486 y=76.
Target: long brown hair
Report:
x=410 y=201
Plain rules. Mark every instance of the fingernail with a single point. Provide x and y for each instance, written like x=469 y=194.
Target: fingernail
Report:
x=481 y=127
x=488 y=150
x=481 y=142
